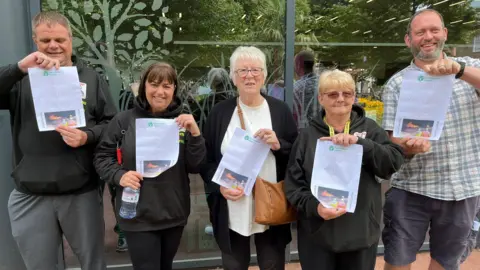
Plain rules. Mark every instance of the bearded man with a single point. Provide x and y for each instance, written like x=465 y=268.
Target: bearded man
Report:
x=438 y=187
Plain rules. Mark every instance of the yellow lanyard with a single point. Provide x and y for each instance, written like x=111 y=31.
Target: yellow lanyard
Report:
x=346 y=130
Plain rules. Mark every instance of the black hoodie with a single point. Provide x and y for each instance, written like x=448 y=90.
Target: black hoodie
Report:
x=164 y=200
x=44 y=163
x=381 y=158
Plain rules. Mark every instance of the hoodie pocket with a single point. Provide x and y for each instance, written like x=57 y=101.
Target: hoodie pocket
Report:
x=162 y=202
x=50 y=174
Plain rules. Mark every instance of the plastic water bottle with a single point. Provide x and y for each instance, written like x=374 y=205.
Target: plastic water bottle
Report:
x=476 y=225
x=130 y=197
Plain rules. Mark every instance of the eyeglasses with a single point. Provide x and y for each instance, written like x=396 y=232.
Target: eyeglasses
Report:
x=336 y=94
x=243 y=72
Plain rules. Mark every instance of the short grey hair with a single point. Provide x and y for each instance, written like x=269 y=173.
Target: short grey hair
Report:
x=217 y=76
x=50 y=18
x=250 y=53
x=409 y=26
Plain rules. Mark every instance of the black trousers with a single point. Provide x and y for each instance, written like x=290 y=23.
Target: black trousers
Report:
x=315 y=257
x=153 y=250
x=270 y=255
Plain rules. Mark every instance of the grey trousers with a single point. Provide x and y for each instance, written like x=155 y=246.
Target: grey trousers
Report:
x=38 y=223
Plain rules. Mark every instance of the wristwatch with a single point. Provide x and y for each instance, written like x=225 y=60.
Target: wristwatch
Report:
x=462 y=69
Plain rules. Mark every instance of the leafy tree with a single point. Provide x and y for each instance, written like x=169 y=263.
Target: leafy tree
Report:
x=209 y=23
x=344 y=26
x=118 y=35
x=122 y=36
x=266 y=20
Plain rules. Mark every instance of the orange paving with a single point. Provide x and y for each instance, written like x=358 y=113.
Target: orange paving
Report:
x=423 y=259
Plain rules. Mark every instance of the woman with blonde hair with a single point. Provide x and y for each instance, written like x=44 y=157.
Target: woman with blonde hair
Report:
x=329 y=238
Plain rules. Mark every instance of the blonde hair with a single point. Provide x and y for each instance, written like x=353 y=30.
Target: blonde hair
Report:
x=50 y=18
x=335 y=79
x=250 y=53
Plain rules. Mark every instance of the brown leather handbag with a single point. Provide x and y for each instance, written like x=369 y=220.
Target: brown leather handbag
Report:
x=271 y=204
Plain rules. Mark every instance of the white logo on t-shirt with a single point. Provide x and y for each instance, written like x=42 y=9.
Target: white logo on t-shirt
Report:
x=360 y=134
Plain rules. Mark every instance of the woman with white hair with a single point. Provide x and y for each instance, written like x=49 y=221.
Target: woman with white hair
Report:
x=231 y=212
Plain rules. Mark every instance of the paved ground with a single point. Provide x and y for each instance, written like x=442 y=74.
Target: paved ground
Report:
x=472 y=263
x=196 y=244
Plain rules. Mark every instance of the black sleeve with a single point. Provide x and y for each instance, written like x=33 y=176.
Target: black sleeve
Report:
x=297 y=187
x=210 y=166
x=195 y=153
x=379 y=153
x=9 y=76
x=104 y=111
x=105 y=159
x=291 y=134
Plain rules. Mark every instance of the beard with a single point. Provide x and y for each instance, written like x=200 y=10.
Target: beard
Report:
x=430 y=56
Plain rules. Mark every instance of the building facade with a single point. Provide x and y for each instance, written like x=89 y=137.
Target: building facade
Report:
x=121 y=37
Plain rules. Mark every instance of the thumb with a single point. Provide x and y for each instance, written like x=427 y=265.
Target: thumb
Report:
x=341 y=212
x=137 y=175
x=427 y=68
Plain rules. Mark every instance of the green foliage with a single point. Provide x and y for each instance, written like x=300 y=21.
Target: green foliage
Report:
x=124 y=36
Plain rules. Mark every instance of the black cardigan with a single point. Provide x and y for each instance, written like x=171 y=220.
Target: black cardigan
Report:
x=214 y=131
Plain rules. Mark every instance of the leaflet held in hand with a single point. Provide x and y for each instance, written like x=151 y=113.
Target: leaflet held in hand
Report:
x=336 y=175
x=157 y=145
x=57 y=98
x=422 y=105
x=242 y=161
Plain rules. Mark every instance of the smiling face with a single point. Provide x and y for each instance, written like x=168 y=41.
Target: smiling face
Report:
x=427 y=37
x=249 y=76
x=159 y=95
x=158 y=86
x=337 y=101
x=336 y=92
x=55 y=41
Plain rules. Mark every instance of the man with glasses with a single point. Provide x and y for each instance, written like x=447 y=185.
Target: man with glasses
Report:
x=438 y=186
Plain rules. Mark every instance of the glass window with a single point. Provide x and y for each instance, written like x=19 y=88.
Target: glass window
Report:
x=121 y=37
x=366 y=39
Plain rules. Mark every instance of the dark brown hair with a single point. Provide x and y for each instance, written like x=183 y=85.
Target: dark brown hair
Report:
x=158 y=72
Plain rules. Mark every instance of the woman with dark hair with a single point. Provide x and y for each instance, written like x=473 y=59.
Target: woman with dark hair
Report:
x=154 y=234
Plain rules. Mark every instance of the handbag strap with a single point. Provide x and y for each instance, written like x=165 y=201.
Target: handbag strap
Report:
x=242 y=125
x=240 y=115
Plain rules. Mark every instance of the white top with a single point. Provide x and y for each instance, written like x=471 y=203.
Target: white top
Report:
x=241 y=213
